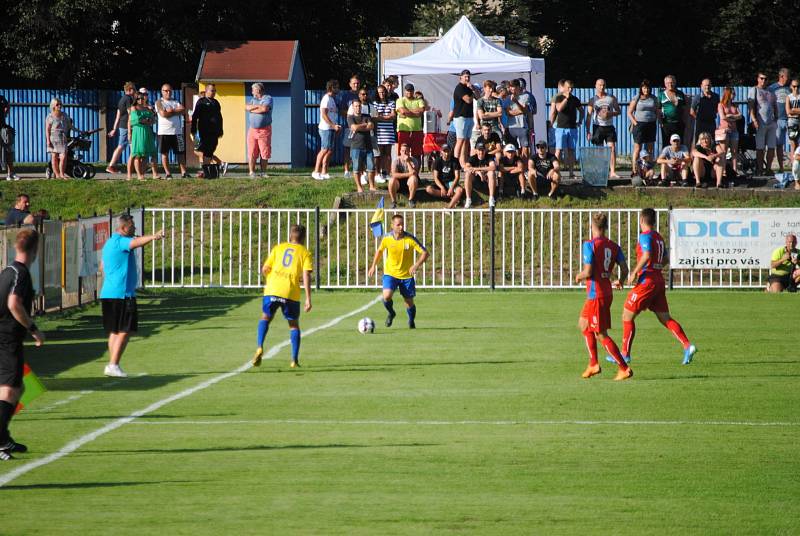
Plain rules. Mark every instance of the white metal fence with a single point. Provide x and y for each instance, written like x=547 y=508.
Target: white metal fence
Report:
x=505 y=248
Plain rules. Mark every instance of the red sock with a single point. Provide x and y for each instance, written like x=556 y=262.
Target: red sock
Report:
x=613 y=351
x=677 y=330
x=628 y=333
x=591 y=345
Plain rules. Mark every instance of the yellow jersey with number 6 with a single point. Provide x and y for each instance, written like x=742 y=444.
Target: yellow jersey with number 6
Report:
x=287 y=262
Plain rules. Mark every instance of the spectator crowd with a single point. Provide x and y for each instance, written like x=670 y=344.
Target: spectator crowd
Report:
x=491 y=144
x=491 y=135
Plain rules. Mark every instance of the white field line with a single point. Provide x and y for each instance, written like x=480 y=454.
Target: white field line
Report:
x=110 y=427
x=468 y=423
x=79 y=395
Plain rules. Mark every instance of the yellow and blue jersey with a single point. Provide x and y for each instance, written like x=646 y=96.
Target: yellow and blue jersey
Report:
x=400 y=254
x=287 y=263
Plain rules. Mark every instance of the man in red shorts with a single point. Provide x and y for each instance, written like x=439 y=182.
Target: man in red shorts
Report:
x=649 y=292
x=600 y=255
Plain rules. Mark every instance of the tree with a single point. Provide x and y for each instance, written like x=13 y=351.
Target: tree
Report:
x=508 y=18
x=757 y=35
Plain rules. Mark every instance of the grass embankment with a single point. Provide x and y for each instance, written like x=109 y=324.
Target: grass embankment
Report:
x=295 y=189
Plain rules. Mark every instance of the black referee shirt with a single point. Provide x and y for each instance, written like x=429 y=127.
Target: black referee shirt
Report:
x=15 y=279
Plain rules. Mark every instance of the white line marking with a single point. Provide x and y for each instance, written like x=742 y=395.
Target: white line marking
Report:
x=471 y=423
x=110 y=427
x=76 y=396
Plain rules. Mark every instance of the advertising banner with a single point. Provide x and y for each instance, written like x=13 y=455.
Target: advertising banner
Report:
x=728 y=238
x=92 y=237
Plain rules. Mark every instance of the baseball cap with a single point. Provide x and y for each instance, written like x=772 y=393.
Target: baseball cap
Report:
x=674 y=137
x=409 y=87
x=479 y=146
x=510 y=148
x=445 y=147
x=643 y=153
x=541 y=143
x=143 y=90
x=466 y=71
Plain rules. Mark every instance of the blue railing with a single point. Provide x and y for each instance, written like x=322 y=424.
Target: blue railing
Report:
x=91 y=109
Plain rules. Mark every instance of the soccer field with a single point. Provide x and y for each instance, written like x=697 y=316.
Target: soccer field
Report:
x=476 y=422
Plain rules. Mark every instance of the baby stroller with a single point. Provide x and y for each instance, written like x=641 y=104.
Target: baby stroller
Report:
x=76 y=146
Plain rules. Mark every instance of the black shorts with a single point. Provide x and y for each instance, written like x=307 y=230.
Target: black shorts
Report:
x=784 y=280
x=644 y=132
x=120 y=315
x=604 y=134
x=11 y=364
x=208 y=144
x=170 y=142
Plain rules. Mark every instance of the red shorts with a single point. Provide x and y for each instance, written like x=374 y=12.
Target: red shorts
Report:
x=648 y=295
x=259 y=142
x=598 y=312
x=413 y=139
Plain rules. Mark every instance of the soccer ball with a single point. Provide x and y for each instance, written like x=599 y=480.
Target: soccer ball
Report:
x=366 y=325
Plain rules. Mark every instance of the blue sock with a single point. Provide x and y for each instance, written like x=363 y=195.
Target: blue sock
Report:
x=263 y=327
x=412 y=313
x=389 y=306
x=294 y=334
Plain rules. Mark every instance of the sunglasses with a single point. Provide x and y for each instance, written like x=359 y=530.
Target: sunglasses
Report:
x=762 y=77
x=795 y=87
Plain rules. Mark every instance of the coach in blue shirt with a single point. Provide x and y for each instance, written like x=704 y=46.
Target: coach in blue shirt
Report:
x=118 y=295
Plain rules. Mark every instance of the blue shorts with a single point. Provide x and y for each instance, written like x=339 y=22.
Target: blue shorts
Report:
x=359 y=155
x=408 y=288
x=463 y=127
x=780 y=133
x=123 y=137
x=289 y=308
x=326 y=137
x=566 y=138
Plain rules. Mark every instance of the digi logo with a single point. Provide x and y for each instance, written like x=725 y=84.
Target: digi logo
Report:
x=714 y=229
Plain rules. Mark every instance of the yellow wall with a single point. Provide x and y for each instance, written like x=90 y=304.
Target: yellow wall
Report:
x=233 y=145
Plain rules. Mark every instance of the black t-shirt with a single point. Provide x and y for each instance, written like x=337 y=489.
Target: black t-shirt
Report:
x=360 y=139
x=207 y=117
x=3 y=106
x=123 y=106
x=15 y=279
x=543 y=165
x=491 y=143
x=461 y=108
x=568 y=117
x=446 y=168
x=508 y=163
x=476 y=162
x=16 y=216
x=706 y=151
x=706 y=107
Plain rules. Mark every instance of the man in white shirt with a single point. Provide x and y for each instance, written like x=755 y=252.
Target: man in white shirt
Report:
x=170 y=130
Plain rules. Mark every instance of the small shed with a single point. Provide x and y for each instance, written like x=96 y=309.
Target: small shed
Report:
x=234 y=66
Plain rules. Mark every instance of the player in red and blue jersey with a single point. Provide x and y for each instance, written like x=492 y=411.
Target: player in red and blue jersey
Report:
x=650 y=290
x=600 y=256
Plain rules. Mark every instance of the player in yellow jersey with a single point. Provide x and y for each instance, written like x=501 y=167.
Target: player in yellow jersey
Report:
x=399 y=268
x=288 y=264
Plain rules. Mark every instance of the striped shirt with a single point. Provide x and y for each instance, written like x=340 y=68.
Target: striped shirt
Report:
x=386 y=132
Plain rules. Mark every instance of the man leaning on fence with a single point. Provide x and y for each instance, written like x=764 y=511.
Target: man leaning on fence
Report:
x=118 y=295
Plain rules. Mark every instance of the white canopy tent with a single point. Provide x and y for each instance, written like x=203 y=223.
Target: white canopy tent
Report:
x=435 y=69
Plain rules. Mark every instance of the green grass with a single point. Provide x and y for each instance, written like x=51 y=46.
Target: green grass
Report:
x=478 y=357
x=295 y=189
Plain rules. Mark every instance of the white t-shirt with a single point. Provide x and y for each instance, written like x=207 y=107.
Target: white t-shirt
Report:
x=328 y=103
x=168 y=126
